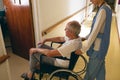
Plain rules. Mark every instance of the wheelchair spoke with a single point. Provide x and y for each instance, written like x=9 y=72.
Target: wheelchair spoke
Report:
x=64 y=74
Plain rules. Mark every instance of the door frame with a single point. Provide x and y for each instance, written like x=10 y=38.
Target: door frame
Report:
x=36 y=20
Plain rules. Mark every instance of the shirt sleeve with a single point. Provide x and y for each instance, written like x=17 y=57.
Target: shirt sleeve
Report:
x=70 y=46
x=99 y=23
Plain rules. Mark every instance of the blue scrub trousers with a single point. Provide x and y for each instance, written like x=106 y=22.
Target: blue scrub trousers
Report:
x=95 y=68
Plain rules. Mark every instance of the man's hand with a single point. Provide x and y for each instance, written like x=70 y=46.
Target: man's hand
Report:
x=83 y=39
x=42 y=42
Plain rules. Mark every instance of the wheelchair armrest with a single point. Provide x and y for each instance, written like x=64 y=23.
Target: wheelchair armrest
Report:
x=56 y=43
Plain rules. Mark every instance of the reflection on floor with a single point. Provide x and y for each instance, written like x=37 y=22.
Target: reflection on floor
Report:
x=19 y=65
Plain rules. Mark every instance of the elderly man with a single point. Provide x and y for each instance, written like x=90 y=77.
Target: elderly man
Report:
x=72 y=42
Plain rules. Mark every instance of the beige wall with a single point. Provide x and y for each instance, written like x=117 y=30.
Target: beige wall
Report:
x=4 y=67
x=117 y=11
x=1 y=5
x=118 y=19
x=2 y=46
x=53 y=11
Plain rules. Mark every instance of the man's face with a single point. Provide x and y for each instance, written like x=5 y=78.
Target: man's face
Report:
x=67 y=31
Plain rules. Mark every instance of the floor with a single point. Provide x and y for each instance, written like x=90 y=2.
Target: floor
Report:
x=19 y=65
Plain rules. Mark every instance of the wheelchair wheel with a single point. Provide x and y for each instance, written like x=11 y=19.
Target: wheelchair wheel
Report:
x=64 y=74
x=81 y=65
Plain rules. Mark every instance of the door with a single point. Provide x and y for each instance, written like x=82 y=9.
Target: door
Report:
x=20 y=24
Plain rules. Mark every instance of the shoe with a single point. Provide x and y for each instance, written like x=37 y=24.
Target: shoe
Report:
x=24 y=75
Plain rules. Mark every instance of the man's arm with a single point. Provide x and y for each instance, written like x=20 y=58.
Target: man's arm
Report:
x=55 y=39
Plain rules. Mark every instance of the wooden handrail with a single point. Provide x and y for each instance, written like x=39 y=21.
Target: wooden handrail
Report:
x=53 y=26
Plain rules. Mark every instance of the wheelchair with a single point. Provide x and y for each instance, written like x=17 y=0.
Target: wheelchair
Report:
x=58 y=73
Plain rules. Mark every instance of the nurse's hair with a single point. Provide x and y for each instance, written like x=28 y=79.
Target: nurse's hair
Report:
x=74 y=27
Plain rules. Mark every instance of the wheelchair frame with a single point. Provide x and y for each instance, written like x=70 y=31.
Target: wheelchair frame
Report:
x=63 y=70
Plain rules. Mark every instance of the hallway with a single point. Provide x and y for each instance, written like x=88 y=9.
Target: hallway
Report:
x=19 y=65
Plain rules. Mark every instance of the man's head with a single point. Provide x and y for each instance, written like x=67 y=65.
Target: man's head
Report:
x=73 y=28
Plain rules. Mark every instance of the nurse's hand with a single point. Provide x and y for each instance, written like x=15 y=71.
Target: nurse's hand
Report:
x=78 y=52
